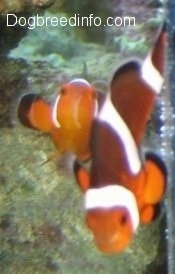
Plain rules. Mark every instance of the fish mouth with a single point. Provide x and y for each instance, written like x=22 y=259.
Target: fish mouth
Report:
x=111 y=248
x=114 y=244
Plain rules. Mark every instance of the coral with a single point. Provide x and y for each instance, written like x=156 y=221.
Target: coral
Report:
x=12 y=81
x=84 y=9
x=10 y=36
x=23 y=6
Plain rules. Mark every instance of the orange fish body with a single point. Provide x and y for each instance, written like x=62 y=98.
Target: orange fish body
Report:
x=68 y=121
x=122 y=189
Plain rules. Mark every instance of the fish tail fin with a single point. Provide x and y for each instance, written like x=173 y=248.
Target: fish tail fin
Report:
x=82 y=176
x=158 y=52
x=34 y=112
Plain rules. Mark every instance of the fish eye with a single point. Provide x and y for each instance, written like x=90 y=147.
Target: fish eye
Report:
x=63 y=91
x=123 y=219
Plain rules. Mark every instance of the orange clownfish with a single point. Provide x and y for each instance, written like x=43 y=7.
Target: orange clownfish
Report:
x=122 y=189
x=68 y=121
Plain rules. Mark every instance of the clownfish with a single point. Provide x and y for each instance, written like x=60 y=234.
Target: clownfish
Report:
x=123 y=189
x=69 y=119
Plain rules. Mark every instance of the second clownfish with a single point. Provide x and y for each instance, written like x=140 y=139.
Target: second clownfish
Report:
x=123 y=189
x=69 y=119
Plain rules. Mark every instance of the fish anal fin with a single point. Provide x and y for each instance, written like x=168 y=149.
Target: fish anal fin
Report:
x=34 y=112
x=82 y=176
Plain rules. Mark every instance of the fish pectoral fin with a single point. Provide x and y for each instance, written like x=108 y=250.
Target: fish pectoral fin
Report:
x=85 y=156
x=52 y=157
x=82 y=176
x=147 y=214
x=35 y=113
x=156 y=176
